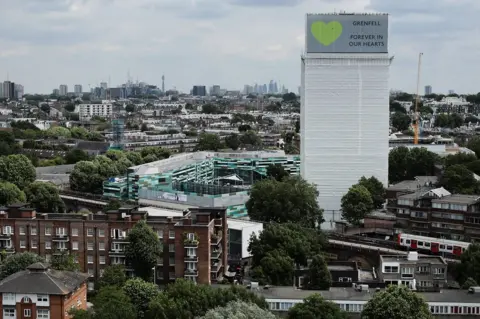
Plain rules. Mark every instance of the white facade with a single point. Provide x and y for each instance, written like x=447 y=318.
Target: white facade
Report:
x=344 y=123
x=247 y=229
x=87 y=111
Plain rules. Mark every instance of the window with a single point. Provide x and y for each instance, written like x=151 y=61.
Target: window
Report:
x=42 y=298
x=48 y=231
x=8 y=298
x=90 y=271
x=90 y=245
x=48 y=258
x=33 y=231
x=26 y=300
x=74 y=245
x=90 y=232
x=101 y=233
x=171 y=234
x=390 y=269
x=27 y=313
x=21 y=230
x=171 y=248
x=102 y=260
x=7 y=230
x=61 y=231
x=48 y=245
x=191 y=236
x=23 y=244
x=75 y=232
x=34 y=243
x=43 y=314
x=160 y=234
x=8 y=313
x=101 y=246
x=90 y=259
x=191 y=252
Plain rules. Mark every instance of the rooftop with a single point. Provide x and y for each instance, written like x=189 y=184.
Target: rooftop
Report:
x=239 y=224
x=159 y=212
x=404 y=259
x=458 y=199
x=413 y=185
x=38 y=278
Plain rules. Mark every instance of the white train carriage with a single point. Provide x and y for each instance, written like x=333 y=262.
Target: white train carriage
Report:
x=435 y=245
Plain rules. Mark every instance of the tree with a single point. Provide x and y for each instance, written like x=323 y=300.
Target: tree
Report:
x=291 y=200
x=44 y=197
x=232 y=141
x=64 y=262
x=209 y=142
x=11 y=194
x=470 y=282
x=76 y=155
x=356 y=204
x=297 y=126
x=17 y=262
x=401 y=121
x=459 y=158
x=250 y=138
x=113 y=303
x=70 y=107
x=17 y=169
x=396 y=302
x=140 y=293
x=459 y=180
x=143 y=250
x=239 y=310
x=279 y=247
x=134 y=157
x=130 y=108
x=113 y=204
x=474 y=145
x=376 y=190
x=469 y=261
x=318 y=276
x=45 y=108
x=405 y=164
x=58 y=131
x=80 y=314
x=277 y=172
x=113 y=275
x=315 y=307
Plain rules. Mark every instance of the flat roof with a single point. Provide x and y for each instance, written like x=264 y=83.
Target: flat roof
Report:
x=438 y=260
x=159 y=212
x=239 y=224
x=458 y=199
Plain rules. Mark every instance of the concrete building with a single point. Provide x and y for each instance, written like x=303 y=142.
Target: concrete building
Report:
x=428 y=89
x=344 y=108
x=87 y=111
x=78 y=89
x=8 y=90
x=19 y=90
x=63 y=90
x=42 y=293
x=422 y=273
x=239 y=232
x=199 y=90
x=194 y=242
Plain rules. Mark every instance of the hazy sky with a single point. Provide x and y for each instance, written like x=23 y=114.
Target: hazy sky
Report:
x=44 y=43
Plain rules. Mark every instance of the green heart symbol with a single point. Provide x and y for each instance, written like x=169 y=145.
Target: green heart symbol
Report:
x=326 y=33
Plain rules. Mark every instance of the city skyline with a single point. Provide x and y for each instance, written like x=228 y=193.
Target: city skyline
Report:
x=72 y=42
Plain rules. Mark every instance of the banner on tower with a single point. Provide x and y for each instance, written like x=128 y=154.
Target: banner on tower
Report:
x=347 y=33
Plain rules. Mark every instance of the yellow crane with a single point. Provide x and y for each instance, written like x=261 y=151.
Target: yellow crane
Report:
x=416 y=126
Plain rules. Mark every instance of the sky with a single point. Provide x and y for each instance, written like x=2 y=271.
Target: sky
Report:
x=45 y=43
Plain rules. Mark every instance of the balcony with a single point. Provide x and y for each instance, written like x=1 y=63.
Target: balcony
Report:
x=216 y=266
x=116 y=252
x=5 y=236
x=190 y=243
x=218 y=223
x=191 y=272
x=216 y=253
x=191 y=259
x=120 y=240
x=60 y=238
x=216 y=238
x=60 y=250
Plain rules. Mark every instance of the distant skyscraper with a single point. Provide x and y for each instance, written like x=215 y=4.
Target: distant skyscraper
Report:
x=271 y=87
x=451 y=91
x=78 y=89
x=1 y=91
x=428 y=90
x=9 y=90
x=216 y=90
x=63 y=89
x=56 y=92
x=104 y=85
x=163 y=83
x=199 y=90
x=18 y=91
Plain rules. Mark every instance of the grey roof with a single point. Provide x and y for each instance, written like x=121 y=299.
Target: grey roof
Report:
x=403 y=259
x=59 y=169
x=413 y=185
x=39 y=279
x=93 y=146
x=458 y=199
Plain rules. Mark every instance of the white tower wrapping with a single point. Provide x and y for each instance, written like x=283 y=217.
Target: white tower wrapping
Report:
x=344 y=118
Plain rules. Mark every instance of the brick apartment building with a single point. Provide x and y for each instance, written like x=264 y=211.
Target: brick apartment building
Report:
x=194 y=242
x=42 y=293
x=423 y=209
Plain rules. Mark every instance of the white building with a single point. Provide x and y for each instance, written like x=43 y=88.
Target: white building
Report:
x=239 y=233
x=78 y=89
x=63 y=90
x=87 y=111
x=344 y=105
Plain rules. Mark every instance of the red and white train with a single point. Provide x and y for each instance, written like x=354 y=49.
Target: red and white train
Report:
x=434 y=245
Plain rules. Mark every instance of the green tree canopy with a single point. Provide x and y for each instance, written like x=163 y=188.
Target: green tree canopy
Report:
x=460 y=158
x=65 y=262
x=18 y=262
x=474 y=145
x=318 y=276
x=140 y=293
x=44 y=197
x=113 y=275
x=376 y=190
x=459 y=180
x=143 y=250
x=232 y=141
x=284 y=244
x=76 y=155
x=113 y=303
x=17 y=169
x=401 y=121
x=250 y=138
x=58 y=131
x=315 y=307
x=406 y=164
x=11 y=194
x=277 y=172
x=396 y=302
x=209 y=142
x=469 y=264
x=291 y=200
x=239 y=310
x=470 y=282
x=356 y=204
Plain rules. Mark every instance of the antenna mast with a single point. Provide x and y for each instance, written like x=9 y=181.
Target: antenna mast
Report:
x=417 y=97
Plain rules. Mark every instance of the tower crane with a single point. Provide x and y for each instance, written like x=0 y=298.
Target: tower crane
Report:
x=417 y=97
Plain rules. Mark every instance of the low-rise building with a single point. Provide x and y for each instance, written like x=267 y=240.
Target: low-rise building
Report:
x=43 y=293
